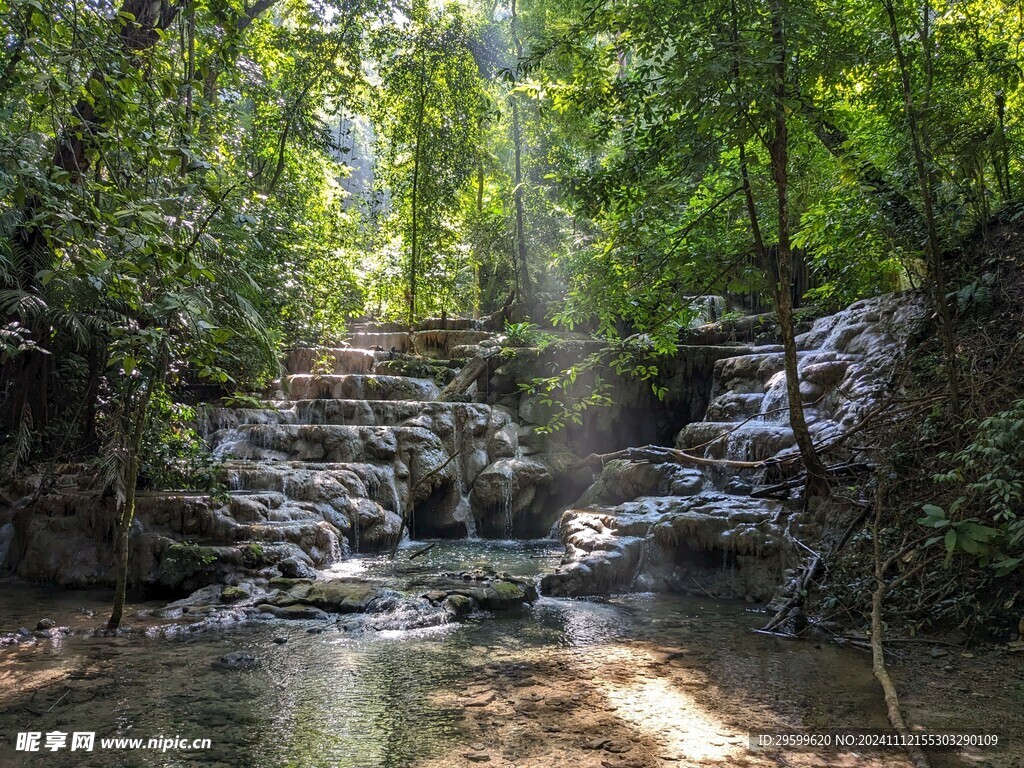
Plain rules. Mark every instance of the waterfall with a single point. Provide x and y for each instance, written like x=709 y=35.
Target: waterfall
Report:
x=506 y=507
x=645 y=552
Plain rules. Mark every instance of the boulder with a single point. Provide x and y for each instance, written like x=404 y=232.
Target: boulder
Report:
x=339 y=596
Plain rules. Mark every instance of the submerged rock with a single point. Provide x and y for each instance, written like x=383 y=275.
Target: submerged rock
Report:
x=236 y=661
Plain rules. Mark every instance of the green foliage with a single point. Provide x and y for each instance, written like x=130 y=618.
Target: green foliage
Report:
x=585 y=385
x=527 y=334
x=323 y=365
x=427 y=113
x=174 y=455
x=976 y=298
x=987 y=520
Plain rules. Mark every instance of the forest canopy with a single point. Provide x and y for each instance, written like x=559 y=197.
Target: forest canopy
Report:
x=189 y=186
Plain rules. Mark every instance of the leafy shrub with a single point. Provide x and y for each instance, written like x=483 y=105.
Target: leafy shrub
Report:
x=174 y=455
x=527 y=334
x=987 y=520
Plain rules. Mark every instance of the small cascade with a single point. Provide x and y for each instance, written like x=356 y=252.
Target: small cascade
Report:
x=641 y=563
x=350 y=448
x=505 y=506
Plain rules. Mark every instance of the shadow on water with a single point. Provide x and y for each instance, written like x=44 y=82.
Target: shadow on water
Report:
x=351 y=699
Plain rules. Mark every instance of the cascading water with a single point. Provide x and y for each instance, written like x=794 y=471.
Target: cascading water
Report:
x=506 y=508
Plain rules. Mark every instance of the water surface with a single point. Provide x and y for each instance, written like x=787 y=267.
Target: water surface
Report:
x=344 y=698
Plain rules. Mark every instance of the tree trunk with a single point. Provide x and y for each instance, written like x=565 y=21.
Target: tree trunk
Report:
x=523 y=269
x=778 y=149
x=517 y=141
x=127 y=513
x=878 y=668
x=121 y=547
x=933 y=247
x=463 y=380
x=896 y=205
x=151 y=17
x=1003 y=163
x=414 y=239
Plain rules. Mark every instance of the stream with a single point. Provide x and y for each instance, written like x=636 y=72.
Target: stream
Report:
x=680 y=675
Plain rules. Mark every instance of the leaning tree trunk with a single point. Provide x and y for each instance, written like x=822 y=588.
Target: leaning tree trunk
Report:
x=414 y=240
x=933 y=245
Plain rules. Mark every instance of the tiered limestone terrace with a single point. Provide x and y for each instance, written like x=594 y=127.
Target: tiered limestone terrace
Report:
x=666 y=527
x=343 y=455
x=353 y=446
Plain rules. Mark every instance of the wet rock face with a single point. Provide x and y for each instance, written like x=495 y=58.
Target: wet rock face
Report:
x=671 y=528
x=708 y=543
x=356 y=603
x=512 y=498
x=844 y=363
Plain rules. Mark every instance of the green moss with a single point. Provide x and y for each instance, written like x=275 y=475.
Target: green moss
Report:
x=459 y=605
x=233 y=594
x=508 y=591
x=254 y=556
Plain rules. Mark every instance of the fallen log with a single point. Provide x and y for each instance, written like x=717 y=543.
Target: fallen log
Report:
x=423 y=551
x=656 y=454
x=464 y=379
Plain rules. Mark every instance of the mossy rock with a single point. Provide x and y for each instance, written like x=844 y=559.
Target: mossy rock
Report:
x=498 y=595
x=507 y=595
x=181 y=562
x=234 y=594
x=284 y=582
x=332 y=596
x=459 y=606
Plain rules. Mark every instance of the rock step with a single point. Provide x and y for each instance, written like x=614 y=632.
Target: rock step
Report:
x=753 y=441
x=322 y=442
x=335 y=360
x=370 y=413
x=449 y=344
x=377 y=327
x=751 y=373
x=274 y=484
x=305 y=386
x=431 y=343
x=398 y=341
x=736 y=406
x=427 y=324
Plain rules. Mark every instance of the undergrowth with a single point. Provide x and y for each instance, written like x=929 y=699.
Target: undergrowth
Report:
x=952 y=486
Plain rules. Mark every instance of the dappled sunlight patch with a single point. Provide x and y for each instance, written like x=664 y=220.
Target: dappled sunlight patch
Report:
x=25 y=679
x=658 y=709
